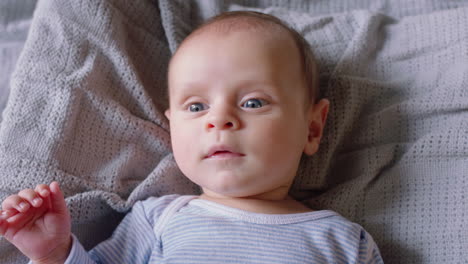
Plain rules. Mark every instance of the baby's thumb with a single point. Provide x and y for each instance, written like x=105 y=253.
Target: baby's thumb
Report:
x=57 y=199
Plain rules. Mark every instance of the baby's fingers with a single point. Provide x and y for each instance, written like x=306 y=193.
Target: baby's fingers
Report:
x=3 y=226
x=15 y=202
x=4 y=215
x=43 y=190
x=31 y=197
x=7 y=213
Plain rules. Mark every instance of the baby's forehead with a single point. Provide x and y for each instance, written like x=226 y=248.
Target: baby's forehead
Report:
x=217 y=42
x=261 y=28
x=256 y=29
x=242 y=23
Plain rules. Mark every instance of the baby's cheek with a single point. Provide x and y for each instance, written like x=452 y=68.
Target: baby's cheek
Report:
x=180 y=145
x=277 y=143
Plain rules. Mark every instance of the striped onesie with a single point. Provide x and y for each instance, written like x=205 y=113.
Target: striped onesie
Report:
x=183 y=229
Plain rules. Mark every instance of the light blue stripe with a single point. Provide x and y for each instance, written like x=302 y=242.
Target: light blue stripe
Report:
x=188 y=224
x=232 y=259
x=294 y=249
x=206 y=229
x=192 y=237
x=252 y=250
x=230 y=237
x=340 y=232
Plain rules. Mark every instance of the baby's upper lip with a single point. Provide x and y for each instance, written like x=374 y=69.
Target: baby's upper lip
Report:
x=222 y=148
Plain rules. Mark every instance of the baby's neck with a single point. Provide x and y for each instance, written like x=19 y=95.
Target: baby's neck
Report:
x=284 y=206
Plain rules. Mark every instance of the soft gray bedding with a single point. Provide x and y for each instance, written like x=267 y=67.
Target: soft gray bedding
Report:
x=15 y=20
x=89 y=90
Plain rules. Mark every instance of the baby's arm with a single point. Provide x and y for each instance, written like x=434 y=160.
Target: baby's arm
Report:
x=38 y=223
x=368 y=251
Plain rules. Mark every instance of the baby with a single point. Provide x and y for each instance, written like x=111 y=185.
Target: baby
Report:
x=244 y=106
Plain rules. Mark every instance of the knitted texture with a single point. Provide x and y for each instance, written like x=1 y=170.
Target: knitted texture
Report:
x=85 y=109
x=88 y=95
x=15 y=20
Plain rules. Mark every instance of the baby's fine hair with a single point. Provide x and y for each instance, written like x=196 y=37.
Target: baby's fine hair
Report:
x=256 y=21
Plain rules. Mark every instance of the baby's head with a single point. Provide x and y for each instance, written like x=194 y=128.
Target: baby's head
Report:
x=244 y=106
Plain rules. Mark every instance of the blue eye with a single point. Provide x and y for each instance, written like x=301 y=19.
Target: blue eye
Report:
x=254 y=103
x=197 y=107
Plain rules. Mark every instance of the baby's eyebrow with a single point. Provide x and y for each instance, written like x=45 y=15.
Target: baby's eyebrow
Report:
x=249 y=83
x=187 y=89
x=196 y=86
x=181 y=92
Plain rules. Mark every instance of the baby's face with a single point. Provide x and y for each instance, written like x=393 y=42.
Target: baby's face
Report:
x=238 y=120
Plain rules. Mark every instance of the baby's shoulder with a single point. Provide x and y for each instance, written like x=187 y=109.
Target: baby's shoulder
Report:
x=336 y=223
x=159 y=201
x=153 y=207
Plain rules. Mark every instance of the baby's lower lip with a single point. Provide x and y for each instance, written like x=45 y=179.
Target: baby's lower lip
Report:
x=225 y=155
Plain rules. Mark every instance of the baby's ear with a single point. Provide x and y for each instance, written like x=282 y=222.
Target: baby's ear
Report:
x=317 y=117
x=167 y=113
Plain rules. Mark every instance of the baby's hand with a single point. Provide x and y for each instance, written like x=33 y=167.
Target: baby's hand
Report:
x=37 y=222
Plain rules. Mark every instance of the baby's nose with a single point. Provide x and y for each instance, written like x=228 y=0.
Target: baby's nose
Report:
x=222 y=121
x=218 y=125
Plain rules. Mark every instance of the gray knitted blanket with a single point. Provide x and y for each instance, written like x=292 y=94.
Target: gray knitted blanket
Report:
x=89 y=90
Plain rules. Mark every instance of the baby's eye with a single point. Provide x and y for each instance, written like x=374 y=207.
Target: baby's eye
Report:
x=197 y=107
x=254 y=103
